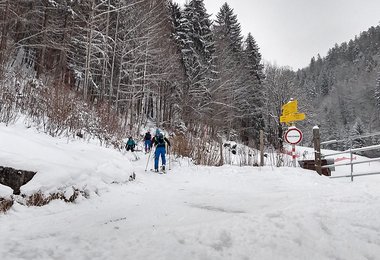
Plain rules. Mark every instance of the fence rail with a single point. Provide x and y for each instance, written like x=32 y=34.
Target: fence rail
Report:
x=355 y=175
x=345 y=164
x=318 y=154
x=362 y=149
x=351 y=138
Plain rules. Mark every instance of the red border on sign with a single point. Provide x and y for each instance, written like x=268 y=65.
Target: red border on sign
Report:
x=291 y=129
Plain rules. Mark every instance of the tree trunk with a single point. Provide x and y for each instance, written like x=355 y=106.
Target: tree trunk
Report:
x=105 y=57
x=41 y=56
x=113 y=59
x=4 y=33
x=88 y=52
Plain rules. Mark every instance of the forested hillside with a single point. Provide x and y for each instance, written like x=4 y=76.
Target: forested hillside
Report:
x=343 y=88
x=106 y=67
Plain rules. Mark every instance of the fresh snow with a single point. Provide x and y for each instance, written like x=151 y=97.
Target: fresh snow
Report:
x=192 y=212
x=61 y=163
x=5 y=192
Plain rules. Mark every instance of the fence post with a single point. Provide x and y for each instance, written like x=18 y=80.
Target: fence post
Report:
x=261 y=148
x=221 y=160
x=317 y=149
x=351 y=158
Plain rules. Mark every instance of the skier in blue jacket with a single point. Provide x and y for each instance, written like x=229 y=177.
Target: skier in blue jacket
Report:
x=159 y=141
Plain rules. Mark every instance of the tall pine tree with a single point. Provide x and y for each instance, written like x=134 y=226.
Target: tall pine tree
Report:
x=253 y=56
x=197 y=54
x=225 y=90
x=254 y=119
x=229 y=27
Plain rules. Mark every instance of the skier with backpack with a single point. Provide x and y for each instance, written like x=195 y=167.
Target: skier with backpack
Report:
x=148 y=142
x=159 y=141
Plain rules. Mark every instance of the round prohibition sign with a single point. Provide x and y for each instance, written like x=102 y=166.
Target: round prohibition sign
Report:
x=293 y=136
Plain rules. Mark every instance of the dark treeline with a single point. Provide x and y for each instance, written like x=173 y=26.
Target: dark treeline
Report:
x=342 y=89
x=134 y=60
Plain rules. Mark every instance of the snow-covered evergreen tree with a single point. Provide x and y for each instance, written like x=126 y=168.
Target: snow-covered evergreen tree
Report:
x=229 y=27
x=323 y=84
x=226 y=89
x=179 y=37
x=254 y=90
x=358 y=130
x=197 y=53
x=254 y=65
x=377 y=93
x=175 y=18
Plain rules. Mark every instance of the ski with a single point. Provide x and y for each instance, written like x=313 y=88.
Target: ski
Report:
x=159 y=172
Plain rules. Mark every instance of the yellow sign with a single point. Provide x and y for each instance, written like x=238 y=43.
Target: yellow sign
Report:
x=290 y=112
x=292 y=117
x=290 y=108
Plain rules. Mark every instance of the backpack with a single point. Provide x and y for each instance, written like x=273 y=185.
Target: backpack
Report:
x=160 y=140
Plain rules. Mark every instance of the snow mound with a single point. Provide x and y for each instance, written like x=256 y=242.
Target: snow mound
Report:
x=5 y=192
x=61 y=163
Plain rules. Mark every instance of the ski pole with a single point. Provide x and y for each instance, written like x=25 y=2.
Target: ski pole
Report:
x=148 y=159
x=169 y=154
x=136 y=156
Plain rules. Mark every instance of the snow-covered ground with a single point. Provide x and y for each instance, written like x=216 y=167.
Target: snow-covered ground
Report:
x=192 y=212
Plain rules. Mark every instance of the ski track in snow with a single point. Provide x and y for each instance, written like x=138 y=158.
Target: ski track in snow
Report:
x=226 y=213
x=196 y=212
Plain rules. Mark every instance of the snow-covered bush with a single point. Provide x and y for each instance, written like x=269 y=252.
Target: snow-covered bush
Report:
x=60 y=111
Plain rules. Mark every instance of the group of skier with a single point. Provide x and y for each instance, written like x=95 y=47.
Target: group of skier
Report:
x=159 y=141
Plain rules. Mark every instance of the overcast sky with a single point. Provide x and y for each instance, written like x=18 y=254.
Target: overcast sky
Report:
x=290 y=32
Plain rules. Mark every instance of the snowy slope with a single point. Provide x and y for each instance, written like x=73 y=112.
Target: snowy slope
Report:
x=192 y=212
x=61 y=163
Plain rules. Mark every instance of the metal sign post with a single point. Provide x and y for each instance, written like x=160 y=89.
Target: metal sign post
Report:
x=294 y=155
x=293 y=136
x=290 y=115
